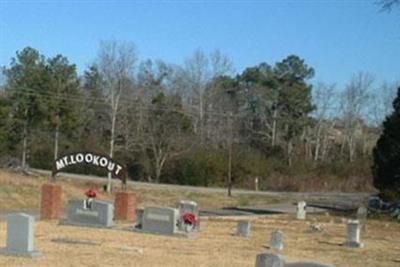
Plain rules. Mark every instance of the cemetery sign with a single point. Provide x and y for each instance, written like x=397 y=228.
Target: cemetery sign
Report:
x=102 y=161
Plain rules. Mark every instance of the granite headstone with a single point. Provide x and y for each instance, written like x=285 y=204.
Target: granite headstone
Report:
x=20 y=236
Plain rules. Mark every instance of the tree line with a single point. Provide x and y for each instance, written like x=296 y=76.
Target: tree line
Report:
x=197 y=123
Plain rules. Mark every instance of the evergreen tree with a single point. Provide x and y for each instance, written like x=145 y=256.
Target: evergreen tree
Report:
x=25 y=81
x=63 y=105
x=386 y=167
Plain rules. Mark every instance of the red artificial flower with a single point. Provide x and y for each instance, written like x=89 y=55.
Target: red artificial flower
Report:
x=189 y=218
x=92 y=193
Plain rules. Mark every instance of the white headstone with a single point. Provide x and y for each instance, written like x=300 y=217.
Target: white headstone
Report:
x=243 y=228
x=270 y=260
x=160 y=220
x=277 y=240
x=20 y=236
x=301 y=210
x=353 y=234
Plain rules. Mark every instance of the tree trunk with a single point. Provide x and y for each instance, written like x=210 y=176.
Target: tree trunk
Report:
x=230 y=141
x=56 y=138
x=111 y=154
x=317 y=144
x=352 y=148
x=273 y=135
x=289 y=151
x=24 y=144
x=201 y=117
x=230 y=171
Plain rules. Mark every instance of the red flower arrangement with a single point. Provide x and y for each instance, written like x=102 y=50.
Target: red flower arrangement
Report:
x=189 y=218
x=92 y=193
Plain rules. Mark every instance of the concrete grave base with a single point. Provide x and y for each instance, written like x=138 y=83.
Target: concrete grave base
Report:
x=29 y=254
x=307 y=264
x=66 y=222
x=354 y=245
x=180 y=234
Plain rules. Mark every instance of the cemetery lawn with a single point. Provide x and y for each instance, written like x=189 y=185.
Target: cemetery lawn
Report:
x=214 y=246
x=20 y=192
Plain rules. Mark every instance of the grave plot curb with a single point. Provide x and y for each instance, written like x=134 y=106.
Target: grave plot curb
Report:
x=183 y=235
x=64 y=222
x=29 y=254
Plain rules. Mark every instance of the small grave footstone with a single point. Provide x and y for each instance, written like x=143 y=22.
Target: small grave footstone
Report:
x=160 y=220
x=188 y=207
x=99 y=215
x=243 y=228
x=353 y=234
x=20 y=236
x=269 y=260
x=362 y=213
x=277 y=240
x=301 y=210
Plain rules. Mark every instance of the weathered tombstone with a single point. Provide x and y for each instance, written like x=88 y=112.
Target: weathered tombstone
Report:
x=20 y=236
x=188 y=207
x=362 y=213
x=277 y=240
x=160 y=220
x=301 y=210
x=99 y=215
x=243 y=228
x=269 y=260
x=353 y=234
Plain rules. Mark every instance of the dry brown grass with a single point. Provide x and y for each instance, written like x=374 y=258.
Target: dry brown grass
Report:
x=215 y=245
x=21 y=192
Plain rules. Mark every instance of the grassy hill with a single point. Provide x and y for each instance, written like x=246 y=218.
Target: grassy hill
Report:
x=22 y=192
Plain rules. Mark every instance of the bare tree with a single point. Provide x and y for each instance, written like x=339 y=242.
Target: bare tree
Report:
x=353 y=105
x=324 y=100
x=116 y=62
x=381 y=105
x=200 y=70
